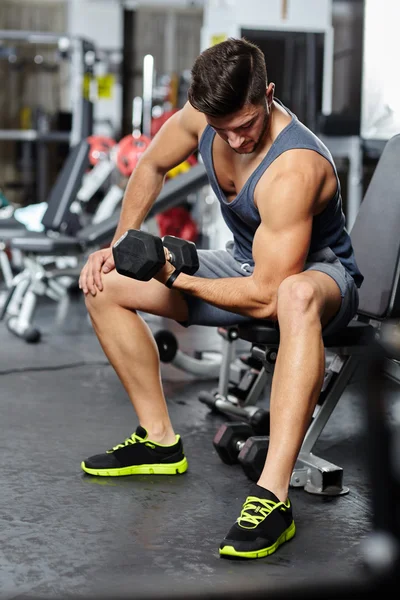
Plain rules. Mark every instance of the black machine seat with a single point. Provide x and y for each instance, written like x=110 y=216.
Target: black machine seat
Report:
x=58 y=216
x=259 y=332
x=266 y=333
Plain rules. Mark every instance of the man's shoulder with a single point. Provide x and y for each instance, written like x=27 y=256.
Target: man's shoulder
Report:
x=303 y=160
x=192 y=120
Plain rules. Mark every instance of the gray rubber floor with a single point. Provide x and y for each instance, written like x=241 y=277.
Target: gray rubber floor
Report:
x=64 y=534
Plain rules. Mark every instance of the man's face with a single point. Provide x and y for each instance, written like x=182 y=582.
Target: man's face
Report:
x=244 y=130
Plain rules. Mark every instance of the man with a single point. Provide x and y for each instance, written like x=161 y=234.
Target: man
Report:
x=291 y=261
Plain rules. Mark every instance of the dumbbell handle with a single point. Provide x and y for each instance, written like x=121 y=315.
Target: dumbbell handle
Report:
x=239 y=445
x=171 y=257
x=169 y=242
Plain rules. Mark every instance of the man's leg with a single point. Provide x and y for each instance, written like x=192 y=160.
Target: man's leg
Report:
x=306 y=302
x=130 y=347
x=129 y=344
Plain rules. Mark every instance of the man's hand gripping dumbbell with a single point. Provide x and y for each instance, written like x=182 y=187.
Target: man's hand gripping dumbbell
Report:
x=141 y=255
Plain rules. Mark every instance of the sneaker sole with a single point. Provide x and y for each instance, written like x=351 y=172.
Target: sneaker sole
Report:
x=285 y=537
x=153 y=469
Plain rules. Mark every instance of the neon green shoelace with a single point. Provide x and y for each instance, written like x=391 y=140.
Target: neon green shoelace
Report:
x=134 y=439
x=260 y=509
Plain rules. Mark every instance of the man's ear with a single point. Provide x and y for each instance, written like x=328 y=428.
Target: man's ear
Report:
x=270 y=91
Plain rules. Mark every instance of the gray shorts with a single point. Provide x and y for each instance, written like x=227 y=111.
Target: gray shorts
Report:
x=216 y=264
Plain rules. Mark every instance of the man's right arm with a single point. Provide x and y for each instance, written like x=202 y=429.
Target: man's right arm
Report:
x=176 y=140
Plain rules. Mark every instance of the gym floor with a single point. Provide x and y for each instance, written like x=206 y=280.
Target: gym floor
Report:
x=65 y=534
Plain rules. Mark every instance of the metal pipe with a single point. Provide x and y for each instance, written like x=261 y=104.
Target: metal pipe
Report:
x=148 y=77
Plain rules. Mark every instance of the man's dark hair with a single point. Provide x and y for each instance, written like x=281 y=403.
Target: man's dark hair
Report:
x=227 y=76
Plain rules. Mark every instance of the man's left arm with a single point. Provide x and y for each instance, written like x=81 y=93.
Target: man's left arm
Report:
x=280 y=248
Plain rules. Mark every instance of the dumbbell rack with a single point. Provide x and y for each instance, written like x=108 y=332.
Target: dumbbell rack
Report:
x=314 y=474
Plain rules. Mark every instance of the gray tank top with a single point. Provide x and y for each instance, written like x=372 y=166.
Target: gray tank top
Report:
x=242 y=217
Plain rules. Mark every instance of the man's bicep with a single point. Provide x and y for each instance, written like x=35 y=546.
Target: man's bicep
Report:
x=282 y=241
x=280 y=252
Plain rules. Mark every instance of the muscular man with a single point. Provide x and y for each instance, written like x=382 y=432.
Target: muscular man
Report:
x=291 y=261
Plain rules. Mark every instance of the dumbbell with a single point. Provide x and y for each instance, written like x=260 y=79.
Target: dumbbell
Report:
x=252 y=456
x=235 y=443
x=230 y=439
x=140 y=255
x=257 y=418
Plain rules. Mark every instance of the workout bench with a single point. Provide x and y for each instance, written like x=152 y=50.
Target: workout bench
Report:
x=376 y=241
x=38 y=278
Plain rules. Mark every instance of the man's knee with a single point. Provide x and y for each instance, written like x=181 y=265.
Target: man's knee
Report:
x=297 y=297
x=108 y=295
x=95 y=303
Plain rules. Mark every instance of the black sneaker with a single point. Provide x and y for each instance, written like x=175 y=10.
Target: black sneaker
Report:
x=138 y=455
x=264 y=524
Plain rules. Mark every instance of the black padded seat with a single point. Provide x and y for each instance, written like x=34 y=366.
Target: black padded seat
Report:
x=43 y=243
x=266 y=333
x=259 y=332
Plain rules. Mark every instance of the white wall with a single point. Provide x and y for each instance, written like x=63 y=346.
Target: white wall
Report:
x=100 y=21
x=230 y=16
x=380 y=116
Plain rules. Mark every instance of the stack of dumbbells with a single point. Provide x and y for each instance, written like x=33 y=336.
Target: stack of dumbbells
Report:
x=238 y=443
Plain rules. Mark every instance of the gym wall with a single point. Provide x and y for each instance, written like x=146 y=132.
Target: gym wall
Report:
x=30 y=85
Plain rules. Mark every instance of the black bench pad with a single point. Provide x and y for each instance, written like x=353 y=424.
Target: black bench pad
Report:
x=267 y=333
